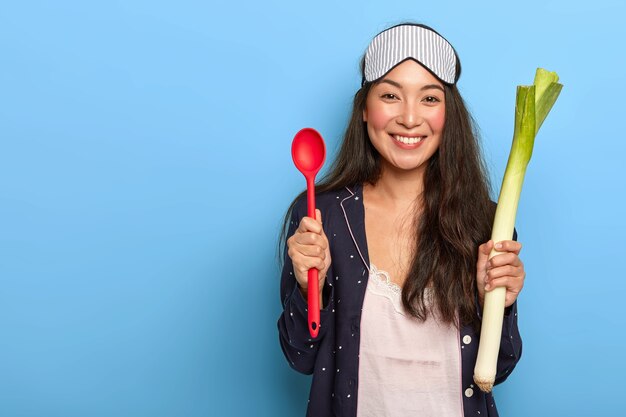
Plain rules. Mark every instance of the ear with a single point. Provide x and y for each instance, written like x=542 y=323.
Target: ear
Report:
x=365 y=114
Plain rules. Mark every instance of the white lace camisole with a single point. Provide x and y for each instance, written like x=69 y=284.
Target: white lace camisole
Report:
x=406 y=367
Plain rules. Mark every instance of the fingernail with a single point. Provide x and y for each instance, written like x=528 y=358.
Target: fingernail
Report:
x=498 y=245
x=487 y=287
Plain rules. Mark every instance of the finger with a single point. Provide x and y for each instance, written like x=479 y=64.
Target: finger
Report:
x=303 y=263
x=299 y=267
x=485 y=249
x=502 y=271
x=512 y=283
x=318 y=215
x=510 y=298
x=481 y=280
x=310 y=244
x=506 y=258
x=315 y=250
x=308 y=224
x=509 y=246
x=480 y=284
x=310 y=238
x=483 y=256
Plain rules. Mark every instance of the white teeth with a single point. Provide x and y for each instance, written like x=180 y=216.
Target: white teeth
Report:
x=408 y=141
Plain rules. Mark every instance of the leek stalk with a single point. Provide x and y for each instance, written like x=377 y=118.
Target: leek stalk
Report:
x=533 y=103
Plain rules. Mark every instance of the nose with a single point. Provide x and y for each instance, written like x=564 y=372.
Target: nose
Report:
x=410 y=115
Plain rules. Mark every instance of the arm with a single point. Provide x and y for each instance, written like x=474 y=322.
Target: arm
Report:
x=299 y=348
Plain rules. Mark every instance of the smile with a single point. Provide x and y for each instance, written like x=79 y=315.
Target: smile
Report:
x=409 y=140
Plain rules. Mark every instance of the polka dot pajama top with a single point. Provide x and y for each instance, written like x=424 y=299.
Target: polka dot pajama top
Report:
x=347 y=381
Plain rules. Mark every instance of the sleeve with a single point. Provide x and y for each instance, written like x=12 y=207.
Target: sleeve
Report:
x=510 y=345
x=299 y=348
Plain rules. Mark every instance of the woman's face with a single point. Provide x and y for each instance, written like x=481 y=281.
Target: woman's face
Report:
x=405 y=113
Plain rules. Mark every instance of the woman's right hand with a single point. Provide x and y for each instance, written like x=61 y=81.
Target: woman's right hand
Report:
x=308 y=248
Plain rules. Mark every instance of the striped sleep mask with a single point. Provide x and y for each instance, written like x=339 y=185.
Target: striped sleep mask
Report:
x=399 y=43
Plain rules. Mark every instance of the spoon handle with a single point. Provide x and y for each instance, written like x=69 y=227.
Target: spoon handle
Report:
x=313 y=297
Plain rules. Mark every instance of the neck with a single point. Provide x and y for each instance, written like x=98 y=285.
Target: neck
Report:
x=402 y=188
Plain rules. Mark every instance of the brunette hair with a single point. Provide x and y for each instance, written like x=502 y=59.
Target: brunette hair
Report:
x=456 y=212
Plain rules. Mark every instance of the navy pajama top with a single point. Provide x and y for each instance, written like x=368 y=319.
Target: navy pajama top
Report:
x=333 y=356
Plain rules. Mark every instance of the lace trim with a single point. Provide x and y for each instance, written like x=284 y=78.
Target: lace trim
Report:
x=383 y=286
x=382 y=277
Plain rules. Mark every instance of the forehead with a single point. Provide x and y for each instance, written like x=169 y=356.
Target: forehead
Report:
x=411 y=73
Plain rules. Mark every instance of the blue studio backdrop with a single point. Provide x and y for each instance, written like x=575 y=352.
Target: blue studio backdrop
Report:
x=145 y=168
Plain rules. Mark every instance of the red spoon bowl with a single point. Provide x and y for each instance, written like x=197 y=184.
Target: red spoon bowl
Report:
x=308 y=151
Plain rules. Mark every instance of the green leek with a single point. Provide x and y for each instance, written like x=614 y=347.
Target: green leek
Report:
x=533 y=103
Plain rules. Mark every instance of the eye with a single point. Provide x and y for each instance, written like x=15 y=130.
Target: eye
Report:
x=431 y=99
x=389 y=96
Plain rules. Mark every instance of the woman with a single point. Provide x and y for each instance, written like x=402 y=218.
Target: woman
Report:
x=401 y=245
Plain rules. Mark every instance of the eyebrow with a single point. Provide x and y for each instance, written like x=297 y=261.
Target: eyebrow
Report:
x=426 y=87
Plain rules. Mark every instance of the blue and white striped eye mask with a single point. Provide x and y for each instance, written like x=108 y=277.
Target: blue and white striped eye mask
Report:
x=395 y=45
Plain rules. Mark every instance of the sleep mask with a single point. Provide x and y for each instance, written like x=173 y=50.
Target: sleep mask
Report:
x=410 y=41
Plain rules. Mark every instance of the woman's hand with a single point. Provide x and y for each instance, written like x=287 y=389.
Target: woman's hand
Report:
x=503 y=270
x=308 y=248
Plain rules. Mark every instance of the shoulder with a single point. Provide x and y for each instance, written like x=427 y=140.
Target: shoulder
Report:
x=333 y=198
x=327 y=201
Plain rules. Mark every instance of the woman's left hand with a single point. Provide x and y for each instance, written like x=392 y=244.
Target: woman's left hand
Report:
x=503 y=270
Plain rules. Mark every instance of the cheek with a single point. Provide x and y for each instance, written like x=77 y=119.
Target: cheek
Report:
x=378 y=117
x=438 y=119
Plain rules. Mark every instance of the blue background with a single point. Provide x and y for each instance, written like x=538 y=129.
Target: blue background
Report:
x=145 y=167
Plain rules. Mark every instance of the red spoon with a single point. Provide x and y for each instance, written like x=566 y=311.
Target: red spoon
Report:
x=309 y=152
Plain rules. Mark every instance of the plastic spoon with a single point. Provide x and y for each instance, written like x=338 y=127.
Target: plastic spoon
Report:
x=309 y=152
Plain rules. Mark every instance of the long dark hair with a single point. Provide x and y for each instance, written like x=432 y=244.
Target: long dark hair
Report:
x=456 y=212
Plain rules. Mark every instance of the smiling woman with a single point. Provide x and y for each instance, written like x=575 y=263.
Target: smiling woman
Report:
x=405 y=111
x=403 y=248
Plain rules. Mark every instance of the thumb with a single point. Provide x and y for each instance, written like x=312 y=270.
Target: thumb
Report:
x=318 y=217
x=484 y=250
